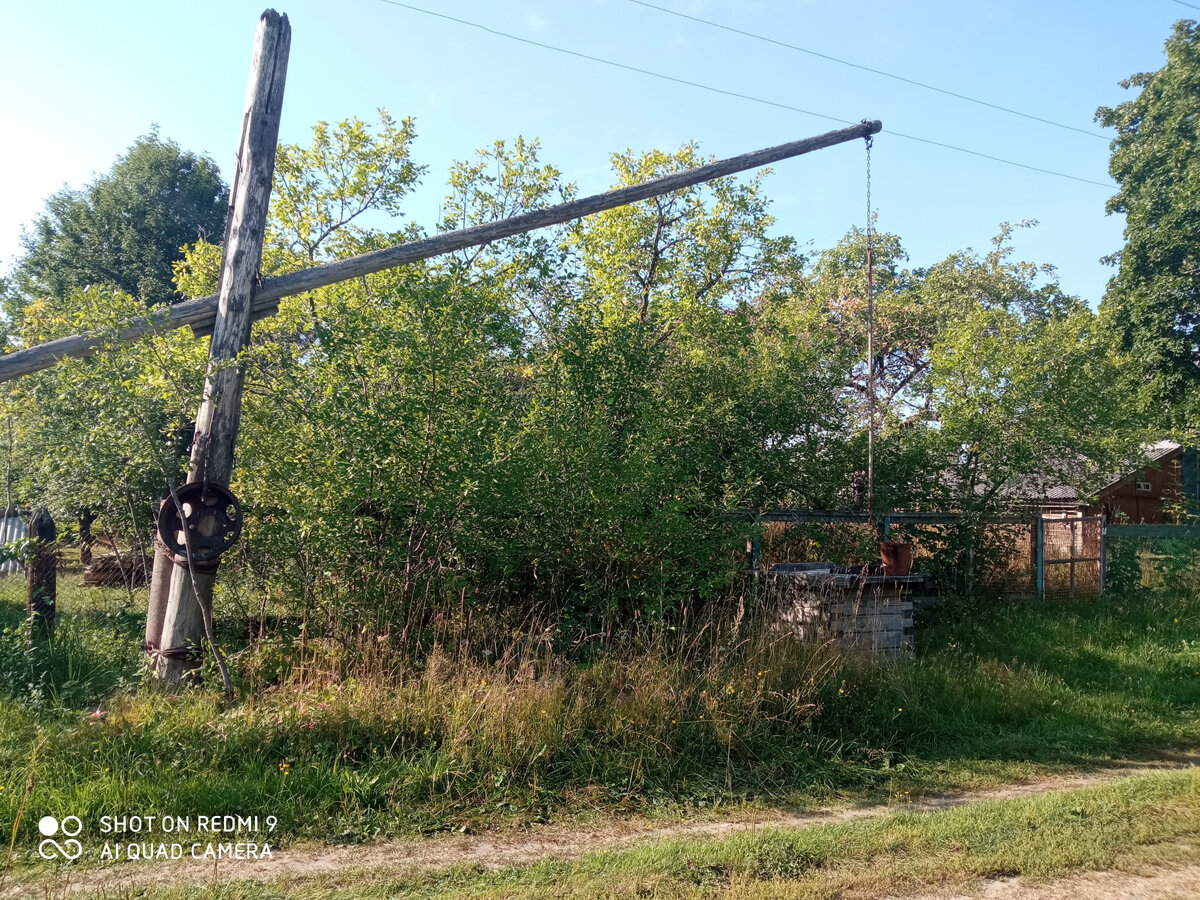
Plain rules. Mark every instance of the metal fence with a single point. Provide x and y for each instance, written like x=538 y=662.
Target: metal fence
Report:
x=1047 y=555
x=1070 y=555
x=1155 y=557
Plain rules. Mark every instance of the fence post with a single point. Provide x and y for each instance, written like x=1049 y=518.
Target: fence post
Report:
x=1040 y=531
x=86 y=518
x=43 y=575
x=756 y=548
x=1103 y=551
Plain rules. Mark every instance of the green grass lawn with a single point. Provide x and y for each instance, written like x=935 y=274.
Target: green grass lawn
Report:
x=996 y=693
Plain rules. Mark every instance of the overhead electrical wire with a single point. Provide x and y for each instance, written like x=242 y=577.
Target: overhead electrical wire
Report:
x=1189 y=5
x=873 y=71
x=735 y=94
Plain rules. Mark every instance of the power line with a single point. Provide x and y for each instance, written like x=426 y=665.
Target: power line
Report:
x=735 y=94
x=1189 y=5
x=609 y=62
x=999 y=159
x=853 y=65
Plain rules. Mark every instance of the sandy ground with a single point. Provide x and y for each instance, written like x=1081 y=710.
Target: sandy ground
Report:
x=1173 y=883
x=501 y=849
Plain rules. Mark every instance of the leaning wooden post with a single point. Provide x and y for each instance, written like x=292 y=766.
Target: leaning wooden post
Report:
x=43 y=575
x=190 y=601
x=199 y=314
x=160 y=592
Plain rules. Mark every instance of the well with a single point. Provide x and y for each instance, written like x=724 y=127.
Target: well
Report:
x=855 y=608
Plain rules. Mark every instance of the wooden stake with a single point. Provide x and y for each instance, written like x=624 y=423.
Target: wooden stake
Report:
x=189 y=608
x=160 y=593
x=86 y=541
x=43 y=575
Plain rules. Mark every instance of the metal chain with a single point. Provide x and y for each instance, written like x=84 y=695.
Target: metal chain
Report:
x=869 y=140
x=870 y=349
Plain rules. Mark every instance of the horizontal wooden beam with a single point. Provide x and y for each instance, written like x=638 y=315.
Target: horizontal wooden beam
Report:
x=1153 y=531
x=856 y=518
x=200 y=314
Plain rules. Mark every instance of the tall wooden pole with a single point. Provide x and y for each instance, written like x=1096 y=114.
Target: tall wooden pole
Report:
x=190 y=601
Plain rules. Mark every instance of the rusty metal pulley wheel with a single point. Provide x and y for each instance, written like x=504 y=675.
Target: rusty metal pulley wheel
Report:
x=200 y=521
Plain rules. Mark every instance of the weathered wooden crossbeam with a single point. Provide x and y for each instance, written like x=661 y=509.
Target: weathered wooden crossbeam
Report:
x=201 y=313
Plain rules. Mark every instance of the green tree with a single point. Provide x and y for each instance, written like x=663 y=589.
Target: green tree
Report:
x=126 y=229
x=1153 y=303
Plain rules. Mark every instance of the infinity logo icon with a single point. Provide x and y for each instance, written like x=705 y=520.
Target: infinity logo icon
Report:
x=68 y=849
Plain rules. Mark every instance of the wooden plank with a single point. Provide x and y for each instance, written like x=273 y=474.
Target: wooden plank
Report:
x=188 y=615
x=873 y=640
x=869 y=615
x=874 y=625
x=201 y=313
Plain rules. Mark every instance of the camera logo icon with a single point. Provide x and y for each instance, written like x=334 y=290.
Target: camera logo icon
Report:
x=69 y=827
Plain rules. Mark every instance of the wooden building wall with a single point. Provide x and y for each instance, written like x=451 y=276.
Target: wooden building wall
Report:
x=1123 y=501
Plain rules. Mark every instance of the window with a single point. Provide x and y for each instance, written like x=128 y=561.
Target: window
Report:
x=1144 y=486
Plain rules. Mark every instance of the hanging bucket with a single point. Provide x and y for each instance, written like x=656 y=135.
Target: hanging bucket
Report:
x=896 y=556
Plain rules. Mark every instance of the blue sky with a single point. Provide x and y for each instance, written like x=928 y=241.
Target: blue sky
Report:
x=81 y=80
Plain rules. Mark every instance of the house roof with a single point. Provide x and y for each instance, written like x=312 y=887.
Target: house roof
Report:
x=1040 y=488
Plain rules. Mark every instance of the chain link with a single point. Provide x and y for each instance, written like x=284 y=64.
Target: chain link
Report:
x=870 y=349
x=870 y=228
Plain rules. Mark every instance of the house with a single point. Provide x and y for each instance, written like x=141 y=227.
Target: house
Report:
x=1148 y=494
x=1144 y=495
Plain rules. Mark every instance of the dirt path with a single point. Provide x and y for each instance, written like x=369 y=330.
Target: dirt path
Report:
x=502 y=849
x=1173 y=883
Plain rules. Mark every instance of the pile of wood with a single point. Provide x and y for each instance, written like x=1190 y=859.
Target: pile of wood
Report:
x=114 y=570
